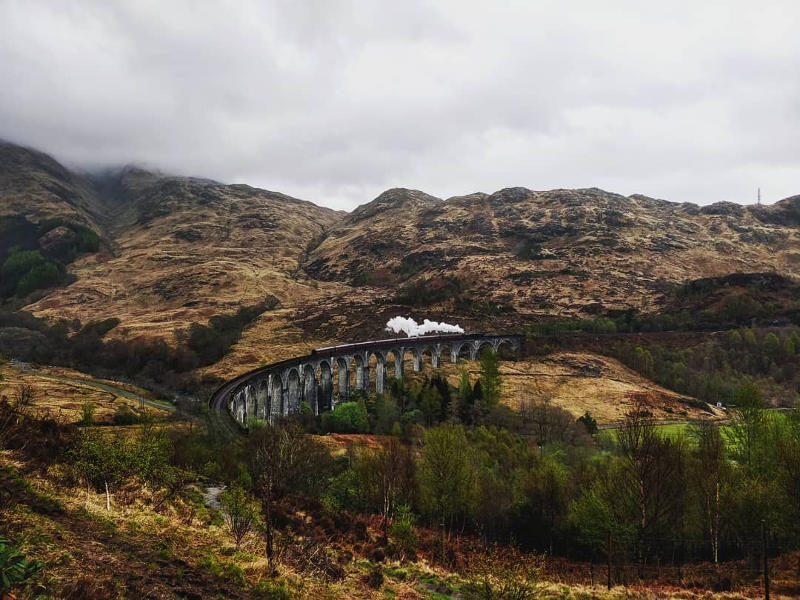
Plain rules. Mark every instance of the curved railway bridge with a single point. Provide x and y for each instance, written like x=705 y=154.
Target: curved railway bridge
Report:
x=279 y=389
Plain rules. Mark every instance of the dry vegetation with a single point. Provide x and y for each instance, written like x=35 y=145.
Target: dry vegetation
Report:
x=580 y=382
x=166 y=275
x=182 y=250
x=562 y=251
x=66 y=398
x=183 y=550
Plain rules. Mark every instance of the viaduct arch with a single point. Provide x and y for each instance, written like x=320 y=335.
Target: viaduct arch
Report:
x=279 y=389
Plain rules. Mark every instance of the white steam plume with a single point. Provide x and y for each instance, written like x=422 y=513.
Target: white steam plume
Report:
x=413 y=329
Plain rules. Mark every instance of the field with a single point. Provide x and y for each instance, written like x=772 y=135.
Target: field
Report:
x=675 y=430
x=64 y=393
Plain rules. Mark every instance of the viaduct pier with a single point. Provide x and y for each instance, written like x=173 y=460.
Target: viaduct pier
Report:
x=279 y=389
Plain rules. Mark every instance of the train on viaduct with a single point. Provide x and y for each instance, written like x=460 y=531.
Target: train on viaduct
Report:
x=279 y=389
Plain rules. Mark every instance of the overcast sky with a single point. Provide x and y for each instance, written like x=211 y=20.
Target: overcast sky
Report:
x=335 y=101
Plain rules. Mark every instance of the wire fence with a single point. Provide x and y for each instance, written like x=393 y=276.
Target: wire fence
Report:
x=762 y=563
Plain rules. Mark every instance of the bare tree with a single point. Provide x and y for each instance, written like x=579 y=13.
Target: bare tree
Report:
x=550 y=423
x=9 y=423
x=710 y=468
x=281 y=457
x=655 y=467
x=240 y=513
x=387 y=475
x=25 y=394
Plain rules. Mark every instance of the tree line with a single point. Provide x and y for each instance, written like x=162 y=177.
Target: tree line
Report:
x=150 y=362
x=29 y=261
x=410 y=404
x=552 y=483
x=723 y=367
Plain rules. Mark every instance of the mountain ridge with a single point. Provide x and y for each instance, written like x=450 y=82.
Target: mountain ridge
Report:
x=185 y=249
x=118 y=177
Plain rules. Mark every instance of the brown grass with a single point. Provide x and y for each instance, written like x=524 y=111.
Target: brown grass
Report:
x=577 y=382
x=66 y=399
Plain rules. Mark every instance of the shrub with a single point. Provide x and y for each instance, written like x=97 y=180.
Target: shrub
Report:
x=27 y=267
x=401 y=533
x=106 y=461
x=240 y=512
x=123 y=415
x=427 y=292
x=15 y=569
x=27 y=270
x=101 y=460
x=374 y=578
x=589 y=422
x=39 y=277
x=25 y=394
x=211 y=342
x=87 y=413
x=528 y=250
x=347 y=417
x=19 y=262
x=86 y=240
x=100 y=328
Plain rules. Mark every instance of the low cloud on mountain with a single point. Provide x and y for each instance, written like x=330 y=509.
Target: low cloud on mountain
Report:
x=336 y=101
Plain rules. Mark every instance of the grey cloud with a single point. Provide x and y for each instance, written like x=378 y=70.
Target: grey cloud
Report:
x=337 y=100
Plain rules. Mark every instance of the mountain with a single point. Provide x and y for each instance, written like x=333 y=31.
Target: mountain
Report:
x=572 y=252
x=124 y=260
x=34 y=185
x=181 y=250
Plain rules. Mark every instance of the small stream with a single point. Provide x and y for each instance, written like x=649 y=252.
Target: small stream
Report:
x=211 y=497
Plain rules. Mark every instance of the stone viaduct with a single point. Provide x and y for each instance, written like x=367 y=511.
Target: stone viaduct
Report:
x=279 y=389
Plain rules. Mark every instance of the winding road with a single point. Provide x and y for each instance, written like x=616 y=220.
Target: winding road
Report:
x=26 y=368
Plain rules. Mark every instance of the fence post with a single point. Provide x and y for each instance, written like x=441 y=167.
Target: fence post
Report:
x=764 y=555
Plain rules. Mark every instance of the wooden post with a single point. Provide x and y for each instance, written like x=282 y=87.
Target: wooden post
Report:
x=764 y=555
x=608 y=552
